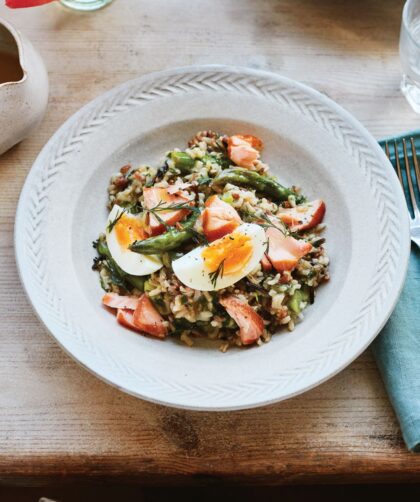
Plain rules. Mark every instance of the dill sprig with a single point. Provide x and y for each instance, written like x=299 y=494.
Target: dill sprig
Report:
x=214 y=276
x=268 y=223
x=112 y=223
x=155 y=211
x=162 y=206
x=264 y=221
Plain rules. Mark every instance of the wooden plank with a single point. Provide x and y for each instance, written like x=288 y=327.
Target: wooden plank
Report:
x=57 y=422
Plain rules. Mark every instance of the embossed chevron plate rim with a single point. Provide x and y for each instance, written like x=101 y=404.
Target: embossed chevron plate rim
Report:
x=310 y=140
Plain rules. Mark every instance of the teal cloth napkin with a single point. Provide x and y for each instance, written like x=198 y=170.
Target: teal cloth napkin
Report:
x=397 y=348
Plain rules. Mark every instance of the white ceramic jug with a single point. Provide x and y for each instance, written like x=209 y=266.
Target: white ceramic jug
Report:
x=23 y=99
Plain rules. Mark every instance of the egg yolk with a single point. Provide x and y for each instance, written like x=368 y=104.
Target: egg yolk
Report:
x=234 y=250
x=129 y=229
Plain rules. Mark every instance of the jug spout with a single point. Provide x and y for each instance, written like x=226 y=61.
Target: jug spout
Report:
x=23 y=87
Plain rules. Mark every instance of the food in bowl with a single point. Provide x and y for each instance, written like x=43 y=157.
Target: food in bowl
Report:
x=210 y=245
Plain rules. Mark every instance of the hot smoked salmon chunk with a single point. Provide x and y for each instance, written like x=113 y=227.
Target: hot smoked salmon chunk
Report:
x=303 y=216
x=251 y=325
x=284 y=252
x=126 y=318
x=147 y=318
x=219 y=218
x=116 y=301
x=244 y=149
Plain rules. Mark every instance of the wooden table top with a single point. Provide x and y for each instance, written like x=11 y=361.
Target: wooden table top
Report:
x=58 y=422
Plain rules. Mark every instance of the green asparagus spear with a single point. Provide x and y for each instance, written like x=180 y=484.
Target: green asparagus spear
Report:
x=182 y=161
x=167 y=241
x=262 y=184
x=134 y=280
x=102 y=247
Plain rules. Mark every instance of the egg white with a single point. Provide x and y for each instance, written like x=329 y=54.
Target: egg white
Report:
x=132 y=263
x=191 y=270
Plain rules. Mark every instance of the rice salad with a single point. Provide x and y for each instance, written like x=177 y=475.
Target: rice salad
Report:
x=210 y=244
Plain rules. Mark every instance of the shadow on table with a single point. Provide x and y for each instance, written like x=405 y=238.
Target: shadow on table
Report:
x=343 y=493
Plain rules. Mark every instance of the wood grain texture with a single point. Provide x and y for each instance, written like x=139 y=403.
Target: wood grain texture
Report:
x=57 y=422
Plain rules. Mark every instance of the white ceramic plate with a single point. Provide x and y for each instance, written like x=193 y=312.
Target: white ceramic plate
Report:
x=310 y=141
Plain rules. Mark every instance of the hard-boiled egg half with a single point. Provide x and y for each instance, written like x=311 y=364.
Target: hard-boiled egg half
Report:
x=122 y=230
x=224 y=261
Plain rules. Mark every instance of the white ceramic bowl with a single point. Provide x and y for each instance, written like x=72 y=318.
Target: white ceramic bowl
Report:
x=310 y=141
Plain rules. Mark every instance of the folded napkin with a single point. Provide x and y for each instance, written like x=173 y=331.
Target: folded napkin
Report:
x=397 y=348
